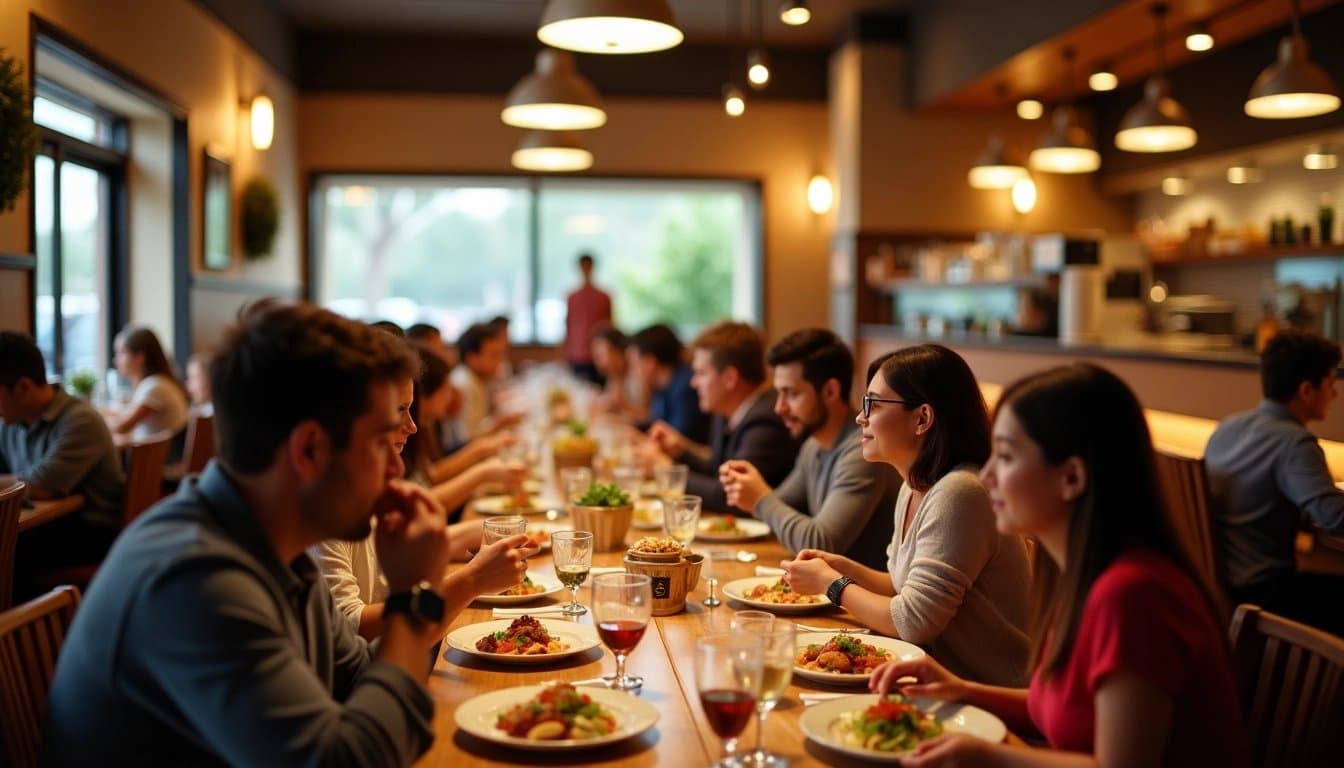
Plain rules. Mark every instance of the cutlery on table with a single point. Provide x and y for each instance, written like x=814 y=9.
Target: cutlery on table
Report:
x=847 y=630
x=809 y=699
x=510 y=613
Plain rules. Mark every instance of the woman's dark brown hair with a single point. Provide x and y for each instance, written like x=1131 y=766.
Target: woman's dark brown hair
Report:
x=140 y=340
x=1086 y=411
x=422 y=446
x=933 y=375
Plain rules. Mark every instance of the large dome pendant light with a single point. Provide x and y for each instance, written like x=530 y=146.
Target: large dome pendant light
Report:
x=1292 y=86
x=993 y=170
x=554 y=97
x=1067 y=147
x=551 y=152
x=1158 y=123
x=609 y=26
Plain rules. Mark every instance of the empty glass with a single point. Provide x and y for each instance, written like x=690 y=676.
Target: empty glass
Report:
x=572 y=552
x=622 y=605
x=728 y=678
x=681 y=516
x=629 y=479
x=575 y=482
x=499 y=528
x=670 y=480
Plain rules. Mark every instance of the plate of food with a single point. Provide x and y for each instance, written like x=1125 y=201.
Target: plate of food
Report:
x=873 y=728
x=729 y=528
x=521 y=503
x=540 y=533
x=523 y=640
x=840 y=658
x=647 y=515
x=770 y=593
x=525 y=592
x=555 y=717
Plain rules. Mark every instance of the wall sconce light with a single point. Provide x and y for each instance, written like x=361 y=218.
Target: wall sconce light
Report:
x=820 y=194
x=261 y=119
x=1024 y=195
x=1320 y=157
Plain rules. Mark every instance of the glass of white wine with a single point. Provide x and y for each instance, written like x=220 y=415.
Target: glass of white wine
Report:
x=681 y=516
x=572 y=552
x=777 y=655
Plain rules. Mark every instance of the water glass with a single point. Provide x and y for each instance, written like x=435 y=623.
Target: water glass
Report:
x=622 y=605
x=575 y=482
x=629 y=479
x=681 y=517
x=728 y=678
x=499 y=528
x=572 y=552
x=670 y=480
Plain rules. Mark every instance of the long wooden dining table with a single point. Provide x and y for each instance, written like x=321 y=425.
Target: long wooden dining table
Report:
x=664 y=658
x=43 y=511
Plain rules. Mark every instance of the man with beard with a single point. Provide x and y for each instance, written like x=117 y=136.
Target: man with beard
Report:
x=833 y=500
x=208 y=636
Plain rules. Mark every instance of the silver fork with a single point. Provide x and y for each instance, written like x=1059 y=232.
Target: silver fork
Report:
x=845 y=630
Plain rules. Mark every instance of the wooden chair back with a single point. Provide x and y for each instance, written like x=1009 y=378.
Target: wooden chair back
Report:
x=11 y=506
x=200 y=442
x=1291 y=681
x=1186 y=488
x=144 y=475
x=30 y=640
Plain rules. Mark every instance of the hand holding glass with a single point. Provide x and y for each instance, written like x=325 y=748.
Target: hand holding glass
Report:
x=622 y=605
x=499 y=528
x=572 y=552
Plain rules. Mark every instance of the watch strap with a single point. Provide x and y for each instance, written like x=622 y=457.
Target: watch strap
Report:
x=837 y=587
x=421 y=602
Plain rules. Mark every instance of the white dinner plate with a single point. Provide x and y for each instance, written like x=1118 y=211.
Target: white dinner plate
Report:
x=746 y=529
x=648 y=515
x=503 y=505
x=579 y=638
x=899 y=650
x=820 y=722
x=534 y=529
x=478 y=715
x=550 y=587
x=739 y=588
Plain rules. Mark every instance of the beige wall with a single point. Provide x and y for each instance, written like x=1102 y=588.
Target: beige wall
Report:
x=180 y=51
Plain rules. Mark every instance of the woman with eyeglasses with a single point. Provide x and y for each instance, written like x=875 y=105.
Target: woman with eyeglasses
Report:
x=954 y=584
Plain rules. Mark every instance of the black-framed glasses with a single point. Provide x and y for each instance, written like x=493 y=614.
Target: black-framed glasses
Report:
x=868 y=401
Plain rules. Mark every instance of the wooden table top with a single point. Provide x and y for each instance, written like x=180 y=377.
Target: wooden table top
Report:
x=664 y=658
x=44 y=511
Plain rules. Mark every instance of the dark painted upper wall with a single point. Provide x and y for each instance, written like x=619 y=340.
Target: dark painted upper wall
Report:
x=260 y=25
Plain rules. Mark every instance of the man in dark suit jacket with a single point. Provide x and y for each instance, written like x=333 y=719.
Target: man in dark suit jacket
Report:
x=728 y=374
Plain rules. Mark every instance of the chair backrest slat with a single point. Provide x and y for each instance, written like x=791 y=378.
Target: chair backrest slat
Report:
x=11 y=507
x=144 y=476
x=200 y=442
x=30 y=642
x=1185 y=487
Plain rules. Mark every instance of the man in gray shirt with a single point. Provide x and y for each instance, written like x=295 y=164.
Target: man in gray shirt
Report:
x=208 y=637
x=59 y=446
x=833 y=500
x=1266 y=471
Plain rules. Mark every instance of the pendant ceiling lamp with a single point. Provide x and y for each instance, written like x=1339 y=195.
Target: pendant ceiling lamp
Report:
x=1067 y=147
x=1158 y=123
x=1292 y=86
x=993 y=170
x=795 y=13
x=551 y=152
x=609 y=26
x=554 y=97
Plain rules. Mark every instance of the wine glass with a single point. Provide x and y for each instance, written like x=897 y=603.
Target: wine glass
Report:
x=680 y=518
x=575 y=482
x=670 y=480
x=572 y=552
x=728 y=677
x=502 y=527
x=622 y=605
x=777 y=653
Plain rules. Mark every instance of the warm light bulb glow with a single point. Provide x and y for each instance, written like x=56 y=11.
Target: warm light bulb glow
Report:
x=1064 y=160
x=554 y=117
x=552 y=159
x=1176 y=186
x=1320 y=159
x=1281 y=106
x=795 y=14
x=758 y=75
x=1156 y=138
x=1024 y=195
x=610 y=34
x=1103 y=80
x=1244 y=174
x=820 y=194
x=995 y=176
x=733 y=103
x=1030 y=109
x=263 y=122
x=1199 y=42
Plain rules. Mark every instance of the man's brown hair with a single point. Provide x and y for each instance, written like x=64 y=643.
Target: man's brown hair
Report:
x=736 y=344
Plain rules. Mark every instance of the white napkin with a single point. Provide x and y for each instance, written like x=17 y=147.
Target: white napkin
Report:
x=766 y=570
x=809 y=699
x=513 y=613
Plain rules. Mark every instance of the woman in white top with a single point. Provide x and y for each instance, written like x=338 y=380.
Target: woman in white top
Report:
x=159 y=403
x=954 y=584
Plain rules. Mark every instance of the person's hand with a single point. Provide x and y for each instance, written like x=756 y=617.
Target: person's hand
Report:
x=742 y=484
x=843 y=564
x=412 y=536
x=647 y=455
x=499 y=566
x=950 y=750
x=667 y=438
x=931 y=679
x=492 y=444
x=809 y=577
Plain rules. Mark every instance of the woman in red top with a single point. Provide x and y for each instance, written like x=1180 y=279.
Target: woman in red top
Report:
x=1132 y=664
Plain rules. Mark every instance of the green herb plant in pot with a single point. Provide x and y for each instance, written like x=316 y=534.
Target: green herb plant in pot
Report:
x=574 y=448
x=82 y=383
x=605 y=510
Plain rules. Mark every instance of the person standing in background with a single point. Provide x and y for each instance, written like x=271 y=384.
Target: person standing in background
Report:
x=587 y=308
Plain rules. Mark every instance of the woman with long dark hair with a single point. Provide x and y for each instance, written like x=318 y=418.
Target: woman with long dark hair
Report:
x=158 y=404
x=953 y=583
x=1131 y=663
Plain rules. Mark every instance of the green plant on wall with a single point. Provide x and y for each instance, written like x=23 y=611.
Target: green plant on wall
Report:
x=260 y=217
x=18 y=135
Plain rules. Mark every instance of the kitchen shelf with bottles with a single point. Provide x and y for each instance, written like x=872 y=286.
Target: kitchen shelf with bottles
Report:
x=1240 y=254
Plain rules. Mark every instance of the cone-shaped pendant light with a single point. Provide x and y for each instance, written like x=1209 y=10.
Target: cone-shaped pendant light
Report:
x=1292 y=86
x=993 y=170
x=1067 y=147
x=551 y=152
x=554 y=97
x=1158 y=123
x=609 y=26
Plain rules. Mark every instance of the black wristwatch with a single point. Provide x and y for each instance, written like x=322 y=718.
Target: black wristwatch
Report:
x=422 y=602
x=837 y=587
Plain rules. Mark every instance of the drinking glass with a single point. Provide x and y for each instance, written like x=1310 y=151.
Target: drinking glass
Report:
x=572 y=552
x=777 y=653
x=728 y=677
x=629 y=479
x=709 y=572
x=575 y=482
x=670 y=480
x=680 y=518
x=499 y=528
x=622 y=605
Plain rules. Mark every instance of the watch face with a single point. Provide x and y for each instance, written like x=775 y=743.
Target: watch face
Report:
x=426 y=603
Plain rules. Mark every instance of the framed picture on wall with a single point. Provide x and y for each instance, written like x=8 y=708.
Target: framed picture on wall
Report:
x=217 y=219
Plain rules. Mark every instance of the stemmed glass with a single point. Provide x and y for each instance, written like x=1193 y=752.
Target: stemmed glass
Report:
x=572 y=552
x=777 y=653
x=680 y=518
x=622 y=605
x=670 y=481
x=728 y=677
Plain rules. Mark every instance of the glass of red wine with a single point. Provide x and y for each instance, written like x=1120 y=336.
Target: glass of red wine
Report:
x=622 y=605
x=728 y=677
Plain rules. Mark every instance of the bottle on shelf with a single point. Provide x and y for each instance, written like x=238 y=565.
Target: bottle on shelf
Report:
x=1325 y=220
x=1289 y=232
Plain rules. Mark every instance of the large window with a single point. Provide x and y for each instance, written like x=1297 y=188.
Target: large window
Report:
x=451 y=251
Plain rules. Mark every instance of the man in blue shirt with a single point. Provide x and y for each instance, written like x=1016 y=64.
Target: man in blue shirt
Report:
x=656 y=356
x=1266 y=471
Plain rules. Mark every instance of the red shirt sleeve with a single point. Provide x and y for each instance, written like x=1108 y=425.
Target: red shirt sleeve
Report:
x=1134 y=624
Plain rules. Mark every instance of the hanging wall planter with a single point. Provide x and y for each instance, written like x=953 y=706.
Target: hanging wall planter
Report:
x=260 y=217
x=18 y=135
